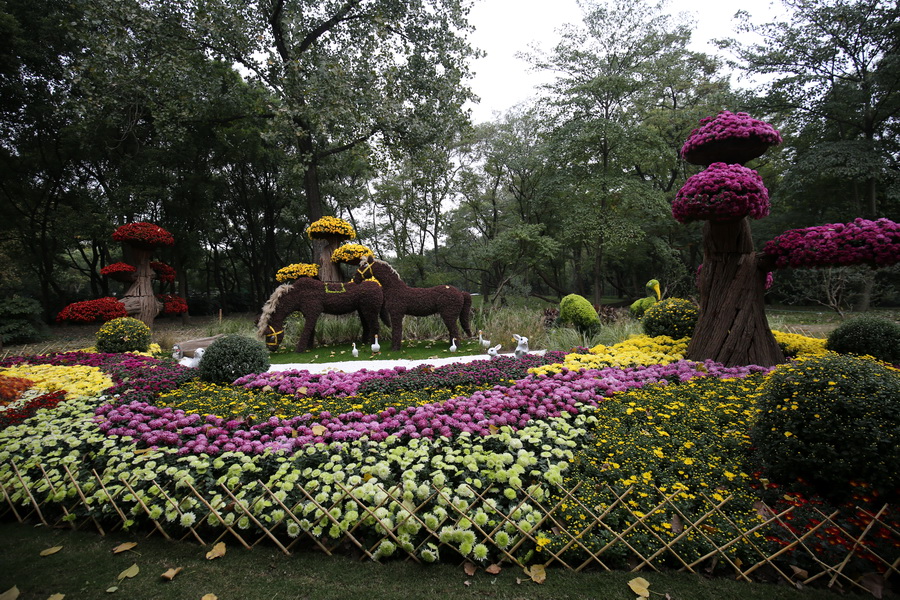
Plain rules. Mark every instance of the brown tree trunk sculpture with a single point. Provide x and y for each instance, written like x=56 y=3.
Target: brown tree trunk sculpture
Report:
x=732 y=328
x=140 y=301
x=323 y=249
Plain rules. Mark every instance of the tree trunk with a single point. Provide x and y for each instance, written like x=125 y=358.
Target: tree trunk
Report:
x=732 y=328
x=140 y=301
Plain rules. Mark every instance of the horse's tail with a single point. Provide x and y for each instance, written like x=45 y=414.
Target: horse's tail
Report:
x=466 y=315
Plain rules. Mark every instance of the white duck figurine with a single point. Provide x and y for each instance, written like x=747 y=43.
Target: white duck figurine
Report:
x=522 y=347
x=177 y=353
x=376 y=347
x=484 y=343
x=453 y=347
x=355 y=352
x=193 y=362
x=494 y=352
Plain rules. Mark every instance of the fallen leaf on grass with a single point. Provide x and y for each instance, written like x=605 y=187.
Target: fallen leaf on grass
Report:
x=537 y=573
x=469 y=568
x=640 y=586
x=217 y=551
x=874 y=582
x=50 y=551
x=493 y=569
x=112 y=589
x=124 y=547
x=10 y=594
x=171 y=573
x=798 y=572
x=129 y=572
x=318 y=429
x=467 y=582
x=209 y=597
x=57 y=597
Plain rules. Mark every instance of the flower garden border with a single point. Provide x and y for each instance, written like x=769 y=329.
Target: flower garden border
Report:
x=76 y=512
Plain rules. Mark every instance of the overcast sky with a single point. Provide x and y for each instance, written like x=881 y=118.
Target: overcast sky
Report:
x=504 y=28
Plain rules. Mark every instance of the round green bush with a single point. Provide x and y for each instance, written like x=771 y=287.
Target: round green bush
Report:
x=674 y=317
x=640 y=306
x=828 y=420
x=123 y=335
x=867 y=335
x=231 y=357
x=575 y=310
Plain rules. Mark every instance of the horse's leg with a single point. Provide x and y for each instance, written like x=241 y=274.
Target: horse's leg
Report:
x=369 y=318
x=465 y=314
x=396 y=329
x=449 y=315
x=309 y=330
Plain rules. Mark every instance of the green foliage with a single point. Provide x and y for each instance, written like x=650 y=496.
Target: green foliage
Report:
x=124 y=334
x=867 y=335
x=20 y=320
x=233 y=356
x=640 y=306
x=577 y=311
x=828 y=421
x=674 y=317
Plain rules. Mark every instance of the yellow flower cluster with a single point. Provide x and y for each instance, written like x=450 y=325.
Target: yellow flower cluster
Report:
x=795 y=344
x=77 y=380
x=331 y=226
x=636 y=350
x=349 y=253
x=295 y=271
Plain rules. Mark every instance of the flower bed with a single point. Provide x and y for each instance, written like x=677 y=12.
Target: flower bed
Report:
x=146 y=235
x=172 y=304
x=861 y=242
x=91 y=311
x=447 y=472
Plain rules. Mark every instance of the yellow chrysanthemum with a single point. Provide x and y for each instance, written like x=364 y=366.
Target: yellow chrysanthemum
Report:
x=77 y=380
x=350 y=253
x=637 y=350
x=295 y=271
x=795 y=344
x=327 y=226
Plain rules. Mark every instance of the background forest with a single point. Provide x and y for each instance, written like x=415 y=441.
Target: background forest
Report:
x=234 y=124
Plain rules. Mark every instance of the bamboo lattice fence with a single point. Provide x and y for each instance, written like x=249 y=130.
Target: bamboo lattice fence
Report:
x=696 y=543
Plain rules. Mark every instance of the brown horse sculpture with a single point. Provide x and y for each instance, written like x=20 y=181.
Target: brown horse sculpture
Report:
x=312 y=297
x=401 y=299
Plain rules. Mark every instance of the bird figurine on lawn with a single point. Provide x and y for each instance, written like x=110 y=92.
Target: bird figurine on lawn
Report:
x=376 y=347
x=494 y=352
x=355 y=352
x=177 y=353
x=522 y=345
x=484 y=343
x=193 y=362
x=453 y=347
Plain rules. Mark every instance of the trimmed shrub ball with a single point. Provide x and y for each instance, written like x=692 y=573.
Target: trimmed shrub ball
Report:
x=674 y=317
x=578 y=312
x=829 y=420
x=123 y=335
x=867 y=335
x=231 y=357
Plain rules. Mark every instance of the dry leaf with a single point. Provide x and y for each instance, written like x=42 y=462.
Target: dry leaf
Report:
x=798 y=572
x=469 y=568
x=50 y=551
x=494 y=569
x=209 y=597
x=112 y=589
x=124 y=547
x=467 y=582
x=57 y=597
x=129 y=572
x=873 y=582
x=677 y=526
x=537 y=573
x=171 y=573
x=319 y=429
x=217 y=551
x=640 y=586
x=10 y=594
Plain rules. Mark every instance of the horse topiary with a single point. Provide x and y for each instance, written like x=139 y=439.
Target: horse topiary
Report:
x=311 y=298
x=400 y=299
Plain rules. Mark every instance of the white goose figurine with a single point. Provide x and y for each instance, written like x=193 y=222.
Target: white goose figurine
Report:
x=522 y=347
x=453 y=347
x=193 y=362
x=355 y=351
x=494 y=352
x=484 y=343
x=376 y=347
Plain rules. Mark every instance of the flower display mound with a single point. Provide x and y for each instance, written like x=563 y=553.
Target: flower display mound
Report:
x=119 y=271
x=860 y=242
x=296 y=271
x=331 y=227
x=172 y=304
x=721 y=192
x=729 y=137
x=351 y=253
x=92 y=311
x=143 y=235
x=165 y=273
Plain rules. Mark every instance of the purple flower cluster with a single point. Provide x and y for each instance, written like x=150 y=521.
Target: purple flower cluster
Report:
x=862 y=242
x=530 y=398
x=721 y=192
x=729 y=126
x=335 y=384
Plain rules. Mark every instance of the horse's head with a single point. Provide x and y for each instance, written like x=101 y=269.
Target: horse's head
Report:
x=364 y=272
x=273 y=338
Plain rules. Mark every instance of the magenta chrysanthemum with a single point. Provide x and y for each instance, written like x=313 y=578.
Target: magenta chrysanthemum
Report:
x=861 y=242
x=722 y=192
x=729 y=137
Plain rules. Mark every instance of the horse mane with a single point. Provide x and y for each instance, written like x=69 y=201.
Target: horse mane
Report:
x=390 y=269
x=269 y=307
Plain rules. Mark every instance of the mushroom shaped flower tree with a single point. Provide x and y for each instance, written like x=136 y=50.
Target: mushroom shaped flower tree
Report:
x=139 y=240
x=327 y=234
x=732 y=326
